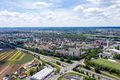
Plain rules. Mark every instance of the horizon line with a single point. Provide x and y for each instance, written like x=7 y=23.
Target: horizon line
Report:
x=51 y=26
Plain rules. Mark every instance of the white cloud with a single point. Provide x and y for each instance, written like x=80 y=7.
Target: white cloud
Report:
x=95 y=1
x=78 y=8
x=89 y=14
x=94 y=9
x=51 y=18
x=5 y=13
x=38 y=5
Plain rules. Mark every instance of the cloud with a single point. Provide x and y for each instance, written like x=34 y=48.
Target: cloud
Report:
x=96 y=2
x=60 y=13
x=38 y=5
x=8 y=14
x=50 y=18
x=78 y=8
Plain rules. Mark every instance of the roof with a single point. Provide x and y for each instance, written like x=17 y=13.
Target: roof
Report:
x=42 y=74
x=115 y=50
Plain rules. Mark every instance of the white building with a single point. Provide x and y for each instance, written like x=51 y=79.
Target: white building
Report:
x=105 y=55
x=114 y=51
x=41 y=75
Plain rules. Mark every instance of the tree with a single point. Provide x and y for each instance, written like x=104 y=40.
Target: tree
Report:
x=37 y=69
x=58 y=63
x=116 y=56
x=31 y=72
x=68 y=60
x=97 y=70
x=62 y=59
x=39 y=57
x=117 y=47
x=87 y=67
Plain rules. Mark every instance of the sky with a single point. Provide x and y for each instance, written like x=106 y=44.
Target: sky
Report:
x=42 y=13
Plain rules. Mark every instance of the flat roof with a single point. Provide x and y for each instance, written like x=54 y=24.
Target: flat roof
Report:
x=42 y=74
x=115 y=50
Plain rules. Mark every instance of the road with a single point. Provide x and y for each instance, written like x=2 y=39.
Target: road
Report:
x=67 y=69
x=97 y=74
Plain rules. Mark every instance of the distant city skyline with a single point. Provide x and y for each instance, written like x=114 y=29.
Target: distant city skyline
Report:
x=53 y=13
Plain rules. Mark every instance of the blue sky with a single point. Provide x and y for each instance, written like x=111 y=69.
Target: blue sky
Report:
x=29 y=13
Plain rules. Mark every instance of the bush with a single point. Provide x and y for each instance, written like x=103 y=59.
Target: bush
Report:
x=116 y=56
x=61 y=59
x=68 y=60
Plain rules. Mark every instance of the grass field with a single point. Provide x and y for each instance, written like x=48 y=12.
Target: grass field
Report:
x=107 y=63
x=26 y=58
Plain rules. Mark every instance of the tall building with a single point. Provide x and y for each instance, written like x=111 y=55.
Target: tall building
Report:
x=108 y=43
x=75 y=51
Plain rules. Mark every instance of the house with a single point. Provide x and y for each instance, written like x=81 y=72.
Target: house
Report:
x=9 y=77
x=22 y=75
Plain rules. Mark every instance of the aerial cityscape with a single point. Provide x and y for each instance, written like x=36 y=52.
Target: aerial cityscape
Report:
x=66 y=53
x=60 y=40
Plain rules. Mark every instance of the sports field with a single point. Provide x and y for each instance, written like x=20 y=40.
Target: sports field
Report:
x=107 y=63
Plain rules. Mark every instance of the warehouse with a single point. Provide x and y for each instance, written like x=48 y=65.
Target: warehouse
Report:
x=41 y=75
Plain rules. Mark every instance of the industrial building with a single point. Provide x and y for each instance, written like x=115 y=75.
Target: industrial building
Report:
x=41 y=75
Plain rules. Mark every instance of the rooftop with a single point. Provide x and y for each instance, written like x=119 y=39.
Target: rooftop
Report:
x=42 y=74
x=115 y=50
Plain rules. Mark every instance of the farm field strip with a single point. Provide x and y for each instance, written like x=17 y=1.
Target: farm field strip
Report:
x=3 y=57
x=14 y=55
x=6 y=55
x=9 y=55
x=21 y=56
x=1 y=54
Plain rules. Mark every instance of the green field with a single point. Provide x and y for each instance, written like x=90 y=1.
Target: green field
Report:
x=107 y=63
x=26 y=58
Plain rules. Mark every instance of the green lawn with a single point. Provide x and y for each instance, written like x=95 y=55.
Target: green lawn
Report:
x=107 y=63
x=25 y=59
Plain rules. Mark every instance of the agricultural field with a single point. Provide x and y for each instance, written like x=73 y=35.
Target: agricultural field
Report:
x=107 y=63
x=11 y=60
